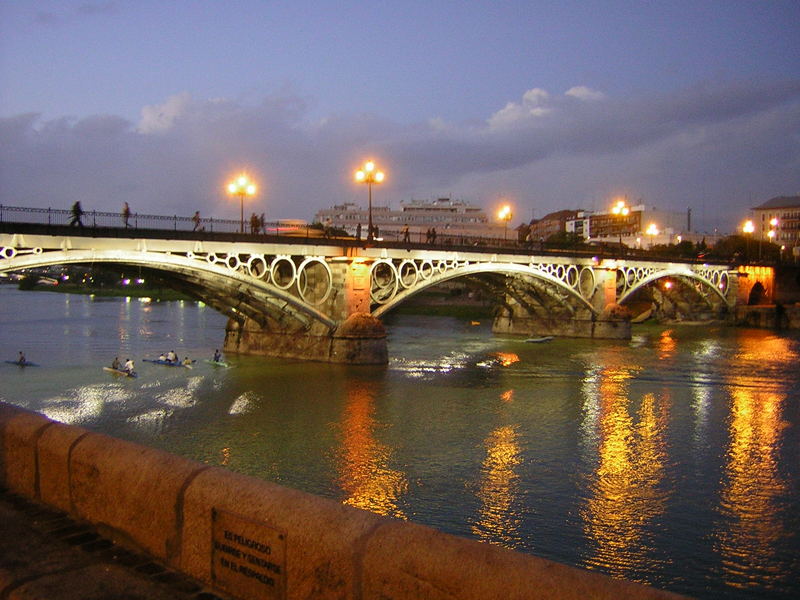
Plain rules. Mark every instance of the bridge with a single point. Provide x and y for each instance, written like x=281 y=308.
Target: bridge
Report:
x=289 y=294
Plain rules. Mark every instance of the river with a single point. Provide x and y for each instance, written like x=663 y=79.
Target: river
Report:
x=672 y=459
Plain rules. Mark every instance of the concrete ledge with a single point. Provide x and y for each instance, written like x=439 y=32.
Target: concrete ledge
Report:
x=253 y=539
x=19 y=434
x=129 y=488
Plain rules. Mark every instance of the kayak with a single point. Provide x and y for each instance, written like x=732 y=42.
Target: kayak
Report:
x=167 y=363
x=218 y=363
x=27 y=363
x=539 y=340
x=120 y=372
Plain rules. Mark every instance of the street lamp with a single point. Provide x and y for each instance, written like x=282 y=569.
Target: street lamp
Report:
x=505 y=215
x=748 y=228
x=652 y=231
x=242 y=186
x=620 y=209
x=369 y=174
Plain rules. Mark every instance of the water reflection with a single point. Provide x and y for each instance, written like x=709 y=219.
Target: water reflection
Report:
x=363 y=462
x=625 y=491
x=498 y=488
x=753 y=488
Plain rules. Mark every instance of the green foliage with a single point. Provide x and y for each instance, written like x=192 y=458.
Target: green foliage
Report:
x=28 y=282
x=565 y=240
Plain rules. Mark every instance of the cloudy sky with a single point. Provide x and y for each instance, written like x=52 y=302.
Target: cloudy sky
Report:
x=549 y=105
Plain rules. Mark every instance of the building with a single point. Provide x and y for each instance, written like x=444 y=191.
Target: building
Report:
x=450 y=218
x=552 y=223
x=635 y=226
x=578 y=224
x=780 y=215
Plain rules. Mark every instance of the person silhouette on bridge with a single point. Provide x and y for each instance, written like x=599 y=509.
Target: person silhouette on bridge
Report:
x=126 y=214
x=196 y=220
x=358 y=232
x=406 y=235
x=77 y=213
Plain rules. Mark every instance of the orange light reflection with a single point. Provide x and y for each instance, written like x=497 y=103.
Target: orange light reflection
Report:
x=498 y=524
x=752 y=486
x=363 y=462
x=625 y=494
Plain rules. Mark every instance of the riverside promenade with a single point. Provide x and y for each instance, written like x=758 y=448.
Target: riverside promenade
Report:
x=84 y=515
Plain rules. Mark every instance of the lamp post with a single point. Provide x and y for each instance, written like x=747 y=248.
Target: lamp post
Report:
x=505 y=215
x=748 y=228
x=369 y=174
x=242 y=186
x=652 y=231
x=621 y=210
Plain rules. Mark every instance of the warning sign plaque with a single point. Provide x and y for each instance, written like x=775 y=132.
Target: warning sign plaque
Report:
x=248 y=558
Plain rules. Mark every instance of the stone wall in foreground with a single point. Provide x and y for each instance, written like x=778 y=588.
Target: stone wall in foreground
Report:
x=250 y=538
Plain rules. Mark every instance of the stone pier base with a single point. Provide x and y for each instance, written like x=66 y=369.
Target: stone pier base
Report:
x=359 y=340
x=602 y=329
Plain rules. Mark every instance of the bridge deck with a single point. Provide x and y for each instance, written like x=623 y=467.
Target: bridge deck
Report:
x=311 y=236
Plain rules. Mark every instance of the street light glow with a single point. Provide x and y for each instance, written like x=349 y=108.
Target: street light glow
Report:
x=620 y=208
x=369 y=175
x=242 y=186
x=748 y=227
x=505 y=214
x=652 y=229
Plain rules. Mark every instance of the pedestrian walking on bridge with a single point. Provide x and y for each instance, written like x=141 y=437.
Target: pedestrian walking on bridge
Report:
x=77 y=213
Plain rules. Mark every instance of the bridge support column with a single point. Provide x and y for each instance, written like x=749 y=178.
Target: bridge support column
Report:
x=608 y=321
x=358 y=338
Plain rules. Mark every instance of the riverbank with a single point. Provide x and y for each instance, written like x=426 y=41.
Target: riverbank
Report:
x=159 y=294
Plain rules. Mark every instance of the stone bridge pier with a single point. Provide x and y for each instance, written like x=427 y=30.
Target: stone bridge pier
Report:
x=531 y=309
x=353 y=336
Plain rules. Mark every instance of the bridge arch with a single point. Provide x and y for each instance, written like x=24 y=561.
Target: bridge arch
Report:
x=635 y=279
x=391 y=292
x=223 y=282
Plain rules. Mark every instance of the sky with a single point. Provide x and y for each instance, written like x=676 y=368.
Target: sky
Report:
x=543 y=105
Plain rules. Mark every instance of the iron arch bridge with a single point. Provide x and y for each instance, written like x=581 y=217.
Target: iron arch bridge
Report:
x=313 y=287
x=300 y=280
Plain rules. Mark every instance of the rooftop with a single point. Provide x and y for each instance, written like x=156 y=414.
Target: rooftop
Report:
x=780 y=202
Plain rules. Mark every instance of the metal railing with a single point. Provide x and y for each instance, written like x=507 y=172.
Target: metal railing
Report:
x=288 y=229
x=101 y=219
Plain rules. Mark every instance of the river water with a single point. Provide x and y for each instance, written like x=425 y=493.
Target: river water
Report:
x=673 y=459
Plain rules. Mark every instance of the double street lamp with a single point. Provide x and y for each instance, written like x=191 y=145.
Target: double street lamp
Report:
x=621 y=210
x=242 y=186
x=505 y=215
x=369 y=174
x=652 y=231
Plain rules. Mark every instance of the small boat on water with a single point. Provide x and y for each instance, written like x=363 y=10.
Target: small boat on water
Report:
x=218 y=363
x=167 y=363
x=120 y=372
x=539 y=340
x=27 y=363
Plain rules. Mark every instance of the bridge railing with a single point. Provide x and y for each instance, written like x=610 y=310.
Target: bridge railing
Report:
x=96 y=218
x=295 y=230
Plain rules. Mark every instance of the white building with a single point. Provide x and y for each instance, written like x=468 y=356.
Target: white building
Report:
x=450 y=218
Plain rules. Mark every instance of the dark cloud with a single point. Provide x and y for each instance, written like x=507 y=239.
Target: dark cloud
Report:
x=719 y=149
x=87 y=9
